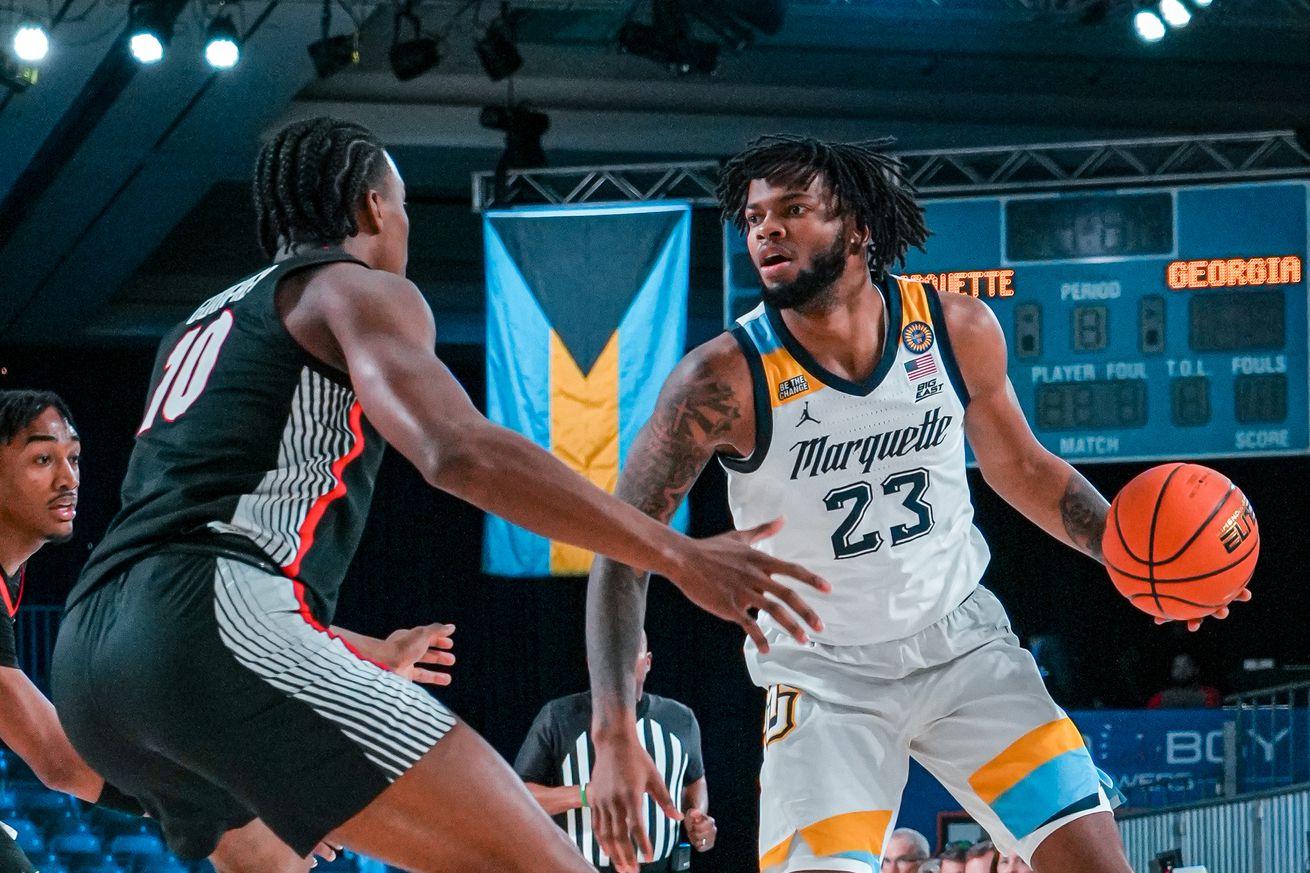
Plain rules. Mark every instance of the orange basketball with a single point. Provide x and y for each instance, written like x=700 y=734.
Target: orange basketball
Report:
x=1180 y=541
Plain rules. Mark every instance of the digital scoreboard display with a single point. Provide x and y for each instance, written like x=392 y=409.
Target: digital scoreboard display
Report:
x=1149 y=324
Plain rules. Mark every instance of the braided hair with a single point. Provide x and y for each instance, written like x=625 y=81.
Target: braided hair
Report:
x=310 y=178
x=865 y=182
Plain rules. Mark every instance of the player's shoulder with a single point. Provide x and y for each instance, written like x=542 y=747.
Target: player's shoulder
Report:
x=353 y=281
x=969 y=321
x=718 y=365
x=355 y=293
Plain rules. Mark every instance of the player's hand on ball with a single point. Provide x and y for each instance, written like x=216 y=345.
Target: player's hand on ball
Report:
x=1194 y=624
x=415 y=651
x=701 y=830
x=728 y=578
x=622 y=774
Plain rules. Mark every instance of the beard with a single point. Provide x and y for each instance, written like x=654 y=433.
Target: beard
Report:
x=813 y=283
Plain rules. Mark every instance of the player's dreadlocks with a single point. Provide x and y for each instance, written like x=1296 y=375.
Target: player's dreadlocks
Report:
x=310 y=179
x=866 y=183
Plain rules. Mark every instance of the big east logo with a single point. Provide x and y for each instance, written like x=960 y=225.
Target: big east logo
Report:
x=1237 y=528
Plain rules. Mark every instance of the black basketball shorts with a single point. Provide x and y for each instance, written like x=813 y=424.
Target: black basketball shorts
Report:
x=204 y=687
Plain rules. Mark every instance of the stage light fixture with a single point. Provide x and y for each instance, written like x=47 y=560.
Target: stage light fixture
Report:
x=222 y=43
x=333 y=54
x=15 y=76
x=496 y=50
x=149 y=30
x=1201 y=4
x=681 y=55
x=31 y=42
x=415 y=56
x=1148 y=25
x=523 y=129
x=1175 y=13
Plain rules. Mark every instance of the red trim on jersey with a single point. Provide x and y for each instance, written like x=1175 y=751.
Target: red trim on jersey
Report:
x=12 y=606
x=315 y=514
x=308 y=616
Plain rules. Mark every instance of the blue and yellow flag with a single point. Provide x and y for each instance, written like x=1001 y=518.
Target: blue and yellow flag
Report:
x=586 y=317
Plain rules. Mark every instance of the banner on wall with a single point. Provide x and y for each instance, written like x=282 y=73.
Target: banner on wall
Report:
x=586 y=317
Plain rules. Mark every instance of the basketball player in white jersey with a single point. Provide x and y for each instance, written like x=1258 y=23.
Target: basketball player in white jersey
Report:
x=844 y=401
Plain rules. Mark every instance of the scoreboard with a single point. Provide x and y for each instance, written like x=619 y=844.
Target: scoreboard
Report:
x=1142 y=324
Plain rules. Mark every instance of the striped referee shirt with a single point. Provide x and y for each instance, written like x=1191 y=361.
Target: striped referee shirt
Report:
x=558 y=751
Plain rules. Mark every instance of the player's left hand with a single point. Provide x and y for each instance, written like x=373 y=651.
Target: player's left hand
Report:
x=701 y=830
x=1194 y=624
x=624 y=771
x=414 y=652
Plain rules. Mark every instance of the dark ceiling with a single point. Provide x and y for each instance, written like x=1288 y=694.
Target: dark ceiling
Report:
x=124 y=192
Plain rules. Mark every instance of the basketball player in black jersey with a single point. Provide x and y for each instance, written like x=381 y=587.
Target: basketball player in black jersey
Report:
x=196 y=662
x=40 y=457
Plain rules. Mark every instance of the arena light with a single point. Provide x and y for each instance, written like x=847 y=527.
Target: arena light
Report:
x=681 y=55
x=149 y=31
x=1201 y=4
x=15 y=76
x=222 y=43
x=31 y=42
x=496 y=50
x=1148 y=25
x=411 y=58
x=1175 y=13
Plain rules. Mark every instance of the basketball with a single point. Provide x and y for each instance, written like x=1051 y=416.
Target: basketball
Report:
x=1180 y=541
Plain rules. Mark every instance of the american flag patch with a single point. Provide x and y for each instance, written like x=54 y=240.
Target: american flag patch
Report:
x=921 y=367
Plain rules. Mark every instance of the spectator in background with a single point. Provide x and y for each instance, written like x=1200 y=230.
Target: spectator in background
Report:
x=1012 y=863
x=932 y=865
x=905 y=852
x=981 y=858
x=1185 y=690
x=953 y=856
x=555 y=763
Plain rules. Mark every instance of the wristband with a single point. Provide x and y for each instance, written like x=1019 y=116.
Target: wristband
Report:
x=115 y=799
x=582 y=790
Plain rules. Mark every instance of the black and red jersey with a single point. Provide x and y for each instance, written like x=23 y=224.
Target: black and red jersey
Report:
x=247 y=440
x=11 y=594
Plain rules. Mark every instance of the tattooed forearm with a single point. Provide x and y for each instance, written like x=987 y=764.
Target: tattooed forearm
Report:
x=672 y=449
x=695 y=415
x=1083 y=510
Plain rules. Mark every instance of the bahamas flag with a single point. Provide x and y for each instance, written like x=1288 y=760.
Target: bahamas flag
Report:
x=586 y=317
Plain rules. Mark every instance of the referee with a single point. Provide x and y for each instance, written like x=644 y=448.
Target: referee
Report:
x=555 y=763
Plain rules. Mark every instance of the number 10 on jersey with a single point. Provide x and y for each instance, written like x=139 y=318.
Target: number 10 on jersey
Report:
x=187 y=369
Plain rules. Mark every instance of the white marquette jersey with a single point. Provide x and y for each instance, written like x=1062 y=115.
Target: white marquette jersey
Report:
x=870 y=476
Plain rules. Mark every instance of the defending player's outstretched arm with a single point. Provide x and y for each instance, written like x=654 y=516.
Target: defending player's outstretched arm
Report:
x=1044 y=487
x=377 y=327
x=704 y=407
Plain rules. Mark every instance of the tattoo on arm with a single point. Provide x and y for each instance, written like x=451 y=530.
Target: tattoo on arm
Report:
x=672 y=449
x=694 y=418
x=1083 y=510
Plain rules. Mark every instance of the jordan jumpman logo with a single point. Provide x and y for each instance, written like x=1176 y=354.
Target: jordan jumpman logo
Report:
x=805 y=415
